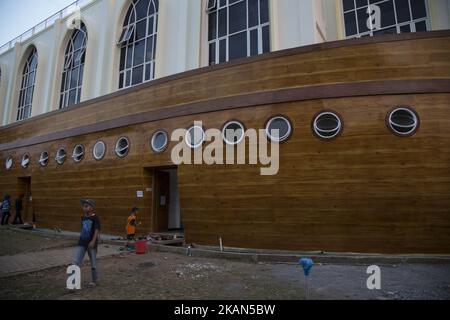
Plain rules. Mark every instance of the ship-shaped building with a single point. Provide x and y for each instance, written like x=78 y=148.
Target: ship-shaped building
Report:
x=353 y=97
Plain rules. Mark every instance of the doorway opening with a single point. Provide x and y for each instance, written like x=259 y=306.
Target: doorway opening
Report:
x=24 y=188
x=166 y=201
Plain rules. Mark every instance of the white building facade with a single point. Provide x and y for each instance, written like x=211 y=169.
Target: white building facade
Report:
x=110 y=45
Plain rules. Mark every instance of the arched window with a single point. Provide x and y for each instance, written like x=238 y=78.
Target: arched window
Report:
x=138 y=43
x=72 y=77
x=237 y=29
x=371 y=18
x=27 y=86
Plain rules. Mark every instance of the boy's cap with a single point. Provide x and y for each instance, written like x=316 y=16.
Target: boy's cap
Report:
x=89 y=202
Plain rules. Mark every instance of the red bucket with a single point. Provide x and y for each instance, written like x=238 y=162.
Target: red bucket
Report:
x=141 y=247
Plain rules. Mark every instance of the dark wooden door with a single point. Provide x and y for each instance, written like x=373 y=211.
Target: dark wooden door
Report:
x=24 y=187
x=162 y=200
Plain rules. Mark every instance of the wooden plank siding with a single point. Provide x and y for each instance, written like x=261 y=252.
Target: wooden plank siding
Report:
x=423 y=58
x=366 y=191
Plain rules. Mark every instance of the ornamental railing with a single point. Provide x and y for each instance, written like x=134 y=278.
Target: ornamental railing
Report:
x=62 y=14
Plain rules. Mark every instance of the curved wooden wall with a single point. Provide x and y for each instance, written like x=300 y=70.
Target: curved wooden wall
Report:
x=367 y=191
x=398 y=57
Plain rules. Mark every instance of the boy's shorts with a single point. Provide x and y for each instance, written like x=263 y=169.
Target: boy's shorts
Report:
x=131 y=236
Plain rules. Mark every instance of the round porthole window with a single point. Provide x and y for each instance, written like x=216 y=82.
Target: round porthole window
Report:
x=25 y=161
x=195 y=137
x=78 y=153
x=9 y=163
x=403 y=121
x=327 y=125
x=278 y=129
x=61 y=156
x=122 y=147
x=233 y=132
x=43 y=159
x=99 y=150
x=159 y=142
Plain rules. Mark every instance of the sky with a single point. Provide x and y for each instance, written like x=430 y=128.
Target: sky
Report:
x=17 y=16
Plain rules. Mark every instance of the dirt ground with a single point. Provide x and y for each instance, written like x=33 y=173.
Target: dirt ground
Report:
x=14 y=242
x=169 y=276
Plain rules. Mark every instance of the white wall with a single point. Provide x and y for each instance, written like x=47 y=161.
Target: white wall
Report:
x=178 y=40
x=285 y=24
x=96 y=18
x=440 y=13
x=7 y=61
x=14 y=61
x=331 y=11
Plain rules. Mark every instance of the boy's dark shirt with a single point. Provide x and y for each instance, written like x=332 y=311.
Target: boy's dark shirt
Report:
x=88 y=226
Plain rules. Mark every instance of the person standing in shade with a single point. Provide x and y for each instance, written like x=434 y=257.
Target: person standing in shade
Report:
x=88 y=242
x=6 y=209
x=19 y=207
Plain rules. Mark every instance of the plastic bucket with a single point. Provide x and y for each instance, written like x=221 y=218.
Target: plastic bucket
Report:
x=141 y=247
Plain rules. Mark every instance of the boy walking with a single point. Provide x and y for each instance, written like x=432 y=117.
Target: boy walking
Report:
x=131 y=226
x=88 y=242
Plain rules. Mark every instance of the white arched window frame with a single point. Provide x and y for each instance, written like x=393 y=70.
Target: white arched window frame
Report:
x=138 y=43
x=73 y=69
x=27 y=86
x=237 y=29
